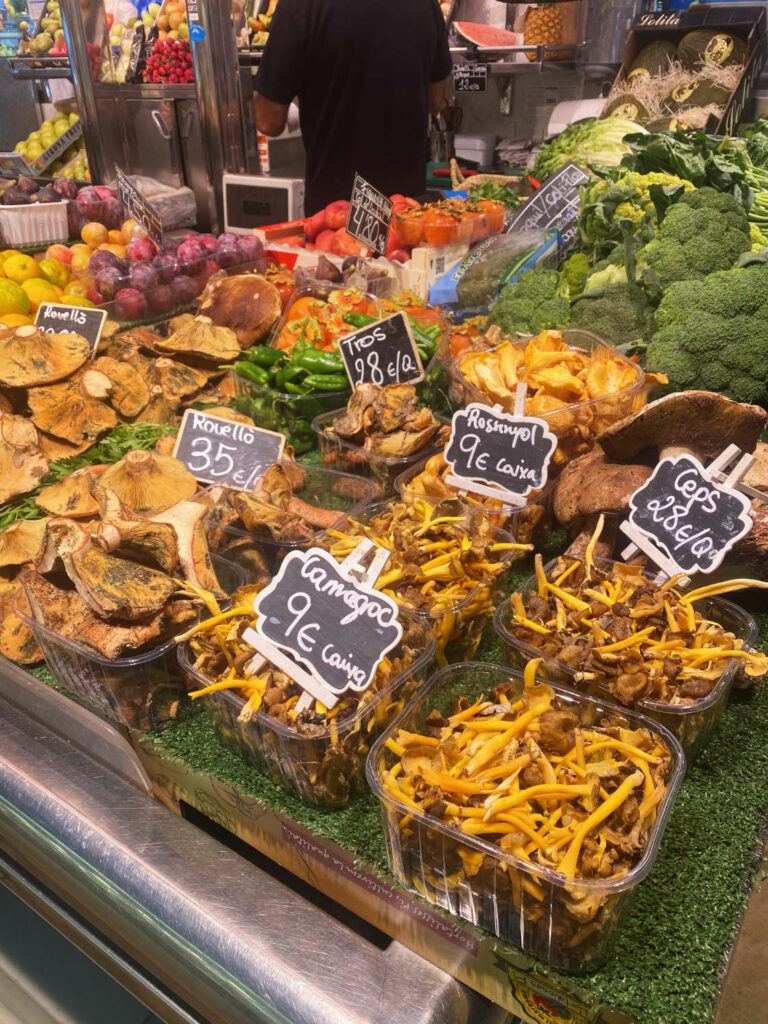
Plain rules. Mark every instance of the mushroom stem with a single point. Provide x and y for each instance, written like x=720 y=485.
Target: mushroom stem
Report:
x=605 y=542
x=96 y=384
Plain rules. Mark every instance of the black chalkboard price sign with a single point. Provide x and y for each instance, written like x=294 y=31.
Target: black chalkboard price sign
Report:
x=470 y=77
x=221 y=451
x=338 y=628
x=490 y=450
x=139 y=208
x=554 y=205
x=685 y=516
x=54 y=318
x=370 y=213
x=382 y=353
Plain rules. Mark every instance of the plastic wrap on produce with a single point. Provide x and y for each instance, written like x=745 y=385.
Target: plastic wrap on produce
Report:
x=176 y=207
x=470 y=287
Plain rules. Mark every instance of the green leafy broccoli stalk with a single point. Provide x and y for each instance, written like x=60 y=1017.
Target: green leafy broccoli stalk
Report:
x=573 y=274
x=619 y=313
x=713 y=334
x=703 y=232
x=532 y=303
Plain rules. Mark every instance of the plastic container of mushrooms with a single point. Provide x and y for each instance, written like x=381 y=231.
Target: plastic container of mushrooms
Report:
x=323 y=763
x=514 y=872
x=692 y=722
x=142 y=691
x=287 y=510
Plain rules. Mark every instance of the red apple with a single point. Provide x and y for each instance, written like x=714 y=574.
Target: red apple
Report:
x=344 y=244
x=336 y=214
x=141 y=249
x=94 y=295
x=324 y=240
x=315 y=225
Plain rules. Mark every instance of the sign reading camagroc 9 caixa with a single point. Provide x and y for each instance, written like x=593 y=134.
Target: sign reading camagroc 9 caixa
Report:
x=338 y=628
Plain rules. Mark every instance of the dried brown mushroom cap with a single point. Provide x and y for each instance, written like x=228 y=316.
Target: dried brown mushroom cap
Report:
x=592 y=484
x=71 y=497
x=176 y=380
x=188 y=520
x=126 y=532
x=21 y=542
x=147 y=482
x=112 y=587
x=141 y=338
x=6 y=404
x=202 y=340
x=29 y=357
x=22 y=464
x=702 y=422
x=249 y=304
x=109 y=330
x=222 y=390
x=129 y=394
x=76 y=409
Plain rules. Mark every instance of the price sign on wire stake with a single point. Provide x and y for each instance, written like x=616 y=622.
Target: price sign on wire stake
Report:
x=369 y=217
x=221 y=451
x=139 y=208
x=54 y=318
x=470 y=77
x=493 y=453
x=334 y=627
x=683 y=519
x=554 y=205
x=382 y=353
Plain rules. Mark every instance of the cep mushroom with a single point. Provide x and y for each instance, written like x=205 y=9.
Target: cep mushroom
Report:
x=147 y=482
x=112 y=587
x=701 y=423
x=589 y=486
x=22 y=464
x=248 y=304
x=75 y=410
x=71 y=497
x=202 y=340
x=129 y=393
x=29 y=357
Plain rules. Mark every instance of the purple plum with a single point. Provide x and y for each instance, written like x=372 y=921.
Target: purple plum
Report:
x=130 y=304
x=142 y=276
x=167 y=266
x=250 y=248
x=109 y=281
x=160 y=299
x=192 y=256
x=104 y=258
x=228 y=256
x=185 y=289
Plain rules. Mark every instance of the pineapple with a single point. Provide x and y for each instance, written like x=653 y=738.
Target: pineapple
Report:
x=543 y=25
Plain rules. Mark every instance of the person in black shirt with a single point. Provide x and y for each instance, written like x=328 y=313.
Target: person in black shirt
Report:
x=366 y=74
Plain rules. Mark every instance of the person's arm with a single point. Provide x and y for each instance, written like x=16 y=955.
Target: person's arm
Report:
x=438 y=97
x=270 y=117
x=281 y=70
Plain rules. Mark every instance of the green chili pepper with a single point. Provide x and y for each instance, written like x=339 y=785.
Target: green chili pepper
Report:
x=359 y=320
x=319 y=362
x=289 y=374
x=327 y=381
x=263 y=355
x=251 y=372
x=296 y=389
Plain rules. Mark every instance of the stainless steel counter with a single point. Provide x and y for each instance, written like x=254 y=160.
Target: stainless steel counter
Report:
x=192 y=929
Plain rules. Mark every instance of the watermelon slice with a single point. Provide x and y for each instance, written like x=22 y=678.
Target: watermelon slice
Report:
x=486 y=35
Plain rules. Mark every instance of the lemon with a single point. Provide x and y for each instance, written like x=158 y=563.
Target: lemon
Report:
x=38 y=292
x=13 y=298
x=15 y=319
x=21 y=268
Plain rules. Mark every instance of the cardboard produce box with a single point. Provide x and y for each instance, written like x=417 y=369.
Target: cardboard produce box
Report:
x=746 y=21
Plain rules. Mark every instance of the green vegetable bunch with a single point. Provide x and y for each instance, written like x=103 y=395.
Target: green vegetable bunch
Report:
x=592 y=143
x=713 y=334
x=495 y=191
x=532 y=303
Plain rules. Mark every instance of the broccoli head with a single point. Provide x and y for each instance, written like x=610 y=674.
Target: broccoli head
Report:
x=531 y=304
x=703 y=232
x=573 y=274
x=713 y=334
x=619 y=313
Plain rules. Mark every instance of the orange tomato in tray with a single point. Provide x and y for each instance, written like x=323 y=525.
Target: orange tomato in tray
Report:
x=306 y=306
x=304 y=329
x=441 y=228
x=284 y=281
x=352 y=300
x=409 y=226
x=494 y=214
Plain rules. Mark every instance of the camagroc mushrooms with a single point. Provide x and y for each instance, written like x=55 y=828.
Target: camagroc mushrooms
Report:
x=147 y=482
x=29 y=357
x=22 y=464
x=129 y=392
x=700 y=422
x=112 y=587
x=246 y=303
x=202 y=341
x=71 y=497
x=590 y=485
x=75 y=410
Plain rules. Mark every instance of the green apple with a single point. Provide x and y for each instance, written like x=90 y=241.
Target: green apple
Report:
x=183 y=30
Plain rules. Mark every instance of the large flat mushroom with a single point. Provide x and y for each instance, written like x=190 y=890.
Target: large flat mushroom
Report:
x=76 y=409
x=148 y=482
x=703 y=423
x=29 y=357
x=22 y=464
x=202 y=341
x=247 y=303
x=71 y=497
x=129 y=393
x=21 y=542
